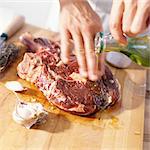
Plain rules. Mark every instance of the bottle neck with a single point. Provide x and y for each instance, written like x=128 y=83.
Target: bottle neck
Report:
x=105 y=42
x=101 y=41
x=137 y=49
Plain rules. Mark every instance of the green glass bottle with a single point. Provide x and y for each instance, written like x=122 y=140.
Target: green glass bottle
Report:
x=138 y=49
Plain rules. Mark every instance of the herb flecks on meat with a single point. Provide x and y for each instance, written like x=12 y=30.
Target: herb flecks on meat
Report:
x=61 y=83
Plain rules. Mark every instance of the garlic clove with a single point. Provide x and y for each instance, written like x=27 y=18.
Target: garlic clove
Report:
x=14 y=86
x=25 y=113
x=26 y=123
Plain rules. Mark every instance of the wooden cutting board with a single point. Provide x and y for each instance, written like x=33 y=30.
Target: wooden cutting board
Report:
x=119 y=128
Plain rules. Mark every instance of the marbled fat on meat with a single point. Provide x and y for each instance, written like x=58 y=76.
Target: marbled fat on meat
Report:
x=61 y=84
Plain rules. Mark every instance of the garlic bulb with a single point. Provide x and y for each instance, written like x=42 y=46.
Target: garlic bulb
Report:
x=29 y=114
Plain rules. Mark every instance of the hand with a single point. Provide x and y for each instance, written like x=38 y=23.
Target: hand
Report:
x=130 y=17
x=80 y=23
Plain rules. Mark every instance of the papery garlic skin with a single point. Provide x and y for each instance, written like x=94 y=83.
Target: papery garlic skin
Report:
x=14 y=86
x=29 y=114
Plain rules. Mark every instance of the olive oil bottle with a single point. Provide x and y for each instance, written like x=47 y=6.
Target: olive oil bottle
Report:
x=138 y=49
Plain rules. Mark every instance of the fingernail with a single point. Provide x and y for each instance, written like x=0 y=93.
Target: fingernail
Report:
x=83 y=73
x=65 y=60
x=93 y=77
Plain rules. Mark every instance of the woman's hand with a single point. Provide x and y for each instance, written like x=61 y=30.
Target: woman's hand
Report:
x=130 y=17
x=80 y=23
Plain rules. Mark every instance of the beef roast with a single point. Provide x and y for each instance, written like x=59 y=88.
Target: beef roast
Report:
x=60 y=83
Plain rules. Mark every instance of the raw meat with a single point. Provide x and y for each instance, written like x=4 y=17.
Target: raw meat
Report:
x=62 y=84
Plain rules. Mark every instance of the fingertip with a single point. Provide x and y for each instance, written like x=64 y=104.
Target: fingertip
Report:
x=83 y=73
x=139 y=23
x=65 y=60
x=123 y=41
x=101 y=72
x=93 y=77
x=64 y=55
x=93 y=74
x=120 y=38
x=135 y=30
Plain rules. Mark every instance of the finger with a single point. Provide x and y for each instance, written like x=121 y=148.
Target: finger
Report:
x=116 y=21
x=140 y=21
x=128 y=16
x=65 y=45
x=92 y=62
x=101 y=64
x=80 y=53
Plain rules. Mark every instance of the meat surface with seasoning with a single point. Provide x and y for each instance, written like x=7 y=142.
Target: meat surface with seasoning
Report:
x=62 y=84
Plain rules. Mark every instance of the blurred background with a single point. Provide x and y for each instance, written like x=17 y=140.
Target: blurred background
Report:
x=45 y=13
x=37 y=12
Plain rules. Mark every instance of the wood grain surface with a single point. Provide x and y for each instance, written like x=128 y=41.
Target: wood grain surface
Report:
x=118 y=128
x=146 y=139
